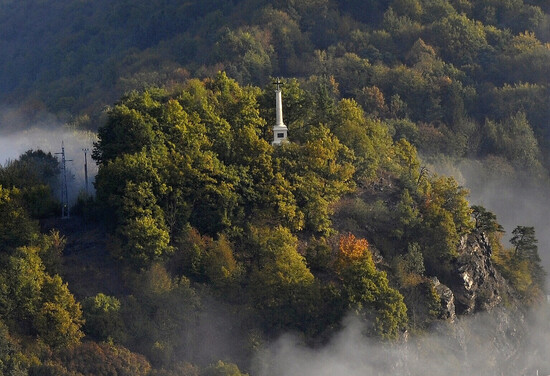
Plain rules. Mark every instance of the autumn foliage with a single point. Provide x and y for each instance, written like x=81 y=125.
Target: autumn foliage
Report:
x=351 y=248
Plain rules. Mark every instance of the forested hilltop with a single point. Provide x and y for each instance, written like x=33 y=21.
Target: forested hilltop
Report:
x=204 y=243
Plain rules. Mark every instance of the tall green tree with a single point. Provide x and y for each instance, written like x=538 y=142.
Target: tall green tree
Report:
x=280 y=283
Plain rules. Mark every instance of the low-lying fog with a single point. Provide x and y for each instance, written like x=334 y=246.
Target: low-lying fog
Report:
x=481 y=345
x=19 y=134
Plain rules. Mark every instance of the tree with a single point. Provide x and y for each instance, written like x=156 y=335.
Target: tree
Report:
x=525 y=243
x=522 y=265
x=36 y=174
x=141 y=241
x=412 y=262
x=371 y=98
x=446 y=216
x=367 y=290
x=127 y=132
x=319 y=171
x=281 y=284
x=222 y=369
x=485 y=221
x=245 y=54
x=403 y=160
x=103 y=319
x=34 y=167
x=104 y=359
x=22 y=279
x=16 y=226
x=35 y=302
x=446 y=193
x=12 y=360
x=367 y=138
x=133 y=174
x=460 y=38
x=406 y=217
x=519 y=142
x=59 y=319
x=220 y=267
x=142 y=236
x=161 y=315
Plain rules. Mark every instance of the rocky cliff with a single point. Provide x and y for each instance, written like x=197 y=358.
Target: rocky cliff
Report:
x=474 y=280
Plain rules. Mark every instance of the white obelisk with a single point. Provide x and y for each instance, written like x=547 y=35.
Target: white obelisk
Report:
x=279 y=129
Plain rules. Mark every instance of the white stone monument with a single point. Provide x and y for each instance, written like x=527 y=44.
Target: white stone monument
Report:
x=280 y=131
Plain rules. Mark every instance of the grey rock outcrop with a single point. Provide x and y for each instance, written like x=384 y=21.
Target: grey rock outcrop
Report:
x=475 y=282
x=447 y=301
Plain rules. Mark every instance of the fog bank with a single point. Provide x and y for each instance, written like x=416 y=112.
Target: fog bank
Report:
x=483 y=345
x=19 y=134
x=515 y=198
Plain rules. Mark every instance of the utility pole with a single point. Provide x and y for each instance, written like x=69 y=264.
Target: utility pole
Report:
x=65 y=213
x=85 y=150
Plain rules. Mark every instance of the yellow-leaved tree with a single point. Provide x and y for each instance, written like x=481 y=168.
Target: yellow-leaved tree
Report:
x=366 y=290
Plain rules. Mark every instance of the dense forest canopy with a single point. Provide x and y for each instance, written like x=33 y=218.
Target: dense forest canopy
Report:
x=204 y=242
x=199 y=210
x=470 y=77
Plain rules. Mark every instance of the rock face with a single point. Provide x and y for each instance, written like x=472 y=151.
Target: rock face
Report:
x=447 y=301
x=474 y=281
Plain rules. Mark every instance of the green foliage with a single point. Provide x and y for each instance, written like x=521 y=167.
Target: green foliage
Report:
x=186 y=171
x=401 y=58
x=404 y=161
x=319 y=255
x=102 y=316
x=525 y=247
x=412 y=262
x=16 y=227
x=160 y=315
x=32 y=300
x=485 y=221
x=320 y=171
x=281 y=284
x=460 y=38
x=103 y=359
x=204 y=259
x=12 y=360
x=367 y=290
x=521 y=265
x=446 y=217
x=143 y=241
x=128 y=131
x=220 y=267
x=22 y=281
x=367 y=138
x=423 y=302
x=514 y=139
x=59 y=319
x=406 y=217
x=222 y=369
x=524 y=242
x=36 y=175
x=246 y=54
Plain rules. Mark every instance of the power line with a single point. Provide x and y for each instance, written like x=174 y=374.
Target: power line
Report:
x=65 y=208
x=85 y=150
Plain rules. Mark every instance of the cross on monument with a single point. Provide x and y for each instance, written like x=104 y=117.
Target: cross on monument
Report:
x=278 y=84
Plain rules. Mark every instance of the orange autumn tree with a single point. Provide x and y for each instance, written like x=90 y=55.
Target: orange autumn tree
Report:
x=352 y=248
x=366 y=290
